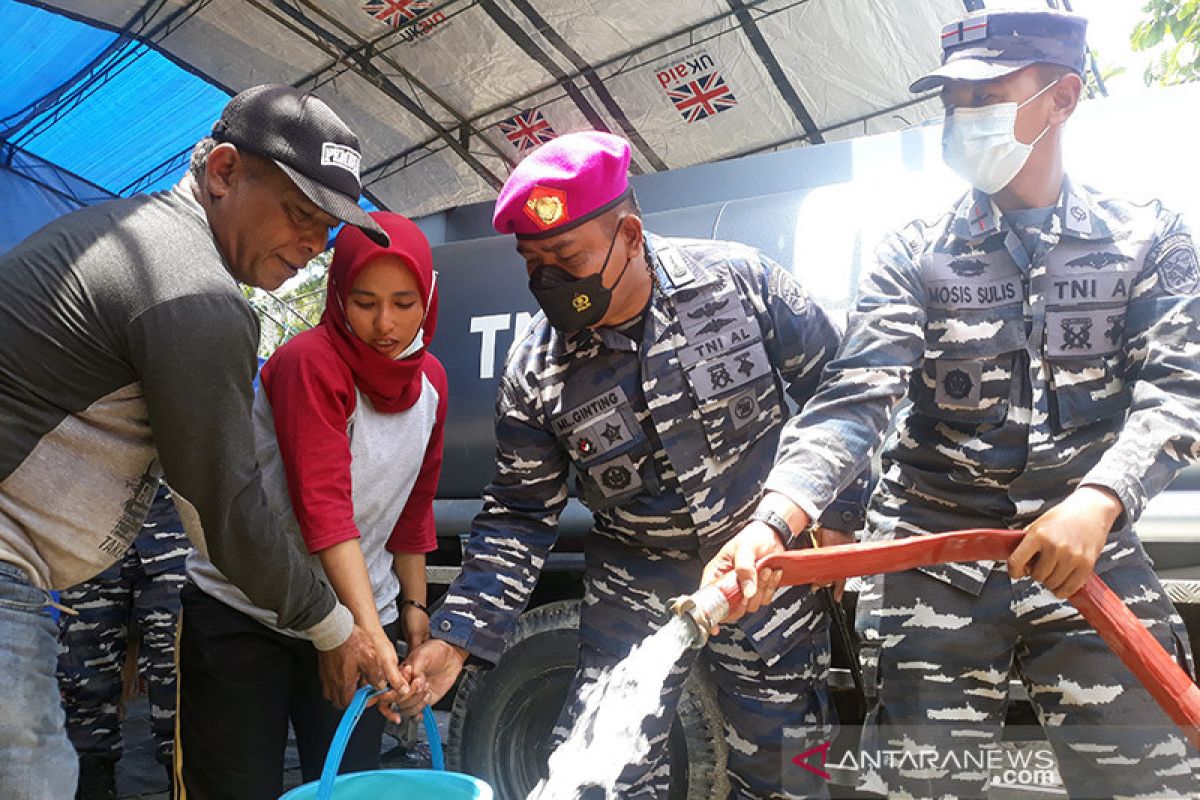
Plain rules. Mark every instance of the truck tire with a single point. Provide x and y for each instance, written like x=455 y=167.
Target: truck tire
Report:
x=502 y=718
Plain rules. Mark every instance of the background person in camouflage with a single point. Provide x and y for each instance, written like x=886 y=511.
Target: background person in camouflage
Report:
x=143 y=587
x=1046 y=335
x=658 y=372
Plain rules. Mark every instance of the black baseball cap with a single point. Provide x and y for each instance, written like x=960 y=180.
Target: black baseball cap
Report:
x=308 y=141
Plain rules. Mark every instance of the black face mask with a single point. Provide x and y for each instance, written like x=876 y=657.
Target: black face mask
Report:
x=571 y=303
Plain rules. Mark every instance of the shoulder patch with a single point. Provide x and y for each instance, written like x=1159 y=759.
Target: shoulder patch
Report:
x=784 y=286
x=677 y=268
x=1174 y=257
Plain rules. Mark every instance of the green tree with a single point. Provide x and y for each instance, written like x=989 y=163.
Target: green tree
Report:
x=1092 y=86
x=1174 y=25
x=283 y=314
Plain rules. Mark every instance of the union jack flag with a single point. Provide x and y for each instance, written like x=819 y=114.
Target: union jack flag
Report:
x=396 y=12
x=703 y=97
x=527 y=130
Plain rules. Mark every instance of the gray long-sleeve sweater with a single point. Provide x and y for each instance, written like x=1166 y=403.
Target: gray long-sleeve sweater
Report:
x=127 y=350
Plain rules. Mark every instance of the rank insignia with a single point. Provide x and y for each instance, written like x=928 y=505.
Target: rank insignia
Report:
x=612 y=433
x=1077 y=219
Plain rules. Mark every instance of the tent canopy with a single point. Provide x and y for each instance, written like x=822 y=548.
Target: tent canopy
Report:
x=446 y=95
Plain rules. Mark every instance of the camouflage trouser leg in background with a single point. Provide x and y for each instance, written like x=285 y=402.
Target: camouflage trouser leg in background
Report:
x=92 y=648
x=92 y=651
x=771 y=712
x=156 y=608
x=943 y=662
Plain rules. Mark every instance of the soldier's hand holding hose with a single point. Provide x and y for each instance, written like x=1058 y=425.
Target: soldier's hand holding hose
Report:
x=774 y=522
x=1060 y=548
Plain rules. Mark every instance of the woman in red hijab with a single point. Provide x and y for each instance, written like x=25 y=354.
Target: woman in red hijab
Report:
x=349 y=435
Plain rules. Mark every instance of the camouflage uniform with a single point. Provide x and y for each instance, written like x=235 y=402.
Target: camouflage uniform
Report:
x=1030 y=372
x=670 y=438
x=143 y=587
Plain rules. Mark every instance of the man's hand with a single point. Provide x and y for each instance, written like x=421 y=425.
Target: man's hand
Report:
x=741 y=554
x=1060 y=548
x=435 y=665
x=341 y=667
x=828 y=537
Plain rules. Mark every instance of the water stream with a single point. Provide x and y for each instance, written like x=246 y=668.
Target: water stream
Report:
x=607 y=735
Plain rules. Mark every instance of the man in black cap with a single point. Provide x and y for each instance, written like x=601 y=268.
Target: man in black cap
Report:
x=1046 y=336
x=129 y=354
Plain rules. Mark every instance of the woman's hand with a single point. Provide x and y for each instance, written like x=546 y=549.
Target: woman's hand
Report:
x=414 y=625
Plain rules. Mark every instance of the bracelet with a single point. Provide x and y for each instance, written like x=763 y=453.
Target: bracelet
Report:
x=775 y=523
x=814 y=534
x=407 y=602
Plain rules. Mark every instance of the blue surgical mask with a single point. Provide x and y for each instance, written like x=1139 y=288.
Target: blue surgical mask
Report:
x=981 y=145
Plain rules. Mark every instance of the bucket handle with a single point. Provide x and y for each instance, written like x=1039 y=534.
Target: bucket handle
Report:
x=341 y=738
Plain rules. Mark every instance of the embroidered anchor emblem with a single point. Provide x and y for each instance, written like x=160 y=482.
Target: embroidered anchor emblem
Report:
x=1077 y=333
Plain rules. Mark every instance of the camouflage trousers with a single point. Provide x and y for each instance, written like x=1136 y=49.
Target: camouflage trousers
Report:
x=771 y=712
x=941 y=658
x=92 y=650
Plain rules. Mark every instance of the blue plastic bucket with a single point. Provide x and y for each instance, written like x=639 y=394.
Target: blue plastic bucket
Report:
x=388 y=784
x=399 y=784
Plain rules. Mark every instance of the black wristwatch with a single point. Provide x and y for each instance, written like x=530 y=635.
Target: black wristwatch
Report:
x=776 y=523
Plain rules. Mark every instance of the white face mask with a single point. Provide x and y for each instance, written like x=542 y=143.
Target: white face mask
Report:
x=980 y=144
x=418 y=341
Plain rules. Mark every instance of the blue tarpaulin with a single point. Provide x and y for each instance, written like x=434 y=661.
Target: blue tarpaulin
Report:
x=87 y=114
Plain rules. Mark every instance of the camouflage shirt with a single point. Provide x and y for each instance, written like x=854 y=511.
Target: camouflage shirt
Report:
x=670 y=437
x=1028 y=373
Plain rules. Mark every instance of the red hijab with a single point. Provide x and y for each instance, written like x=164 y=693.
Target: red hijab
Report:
x=391 y=385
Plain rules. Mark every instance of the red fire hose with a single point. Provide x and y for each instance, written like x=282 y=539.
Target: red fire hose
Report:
x=1167 y=683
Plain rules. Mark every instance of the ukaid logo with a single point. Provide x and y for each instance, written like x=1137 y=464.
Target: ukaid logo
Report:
x=420 y=31
x=338 y=155
x=410 y=15
x=396 y=12
x=695 y=87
